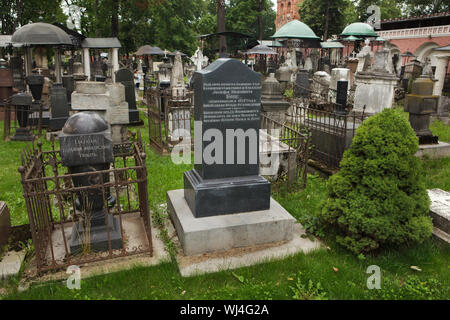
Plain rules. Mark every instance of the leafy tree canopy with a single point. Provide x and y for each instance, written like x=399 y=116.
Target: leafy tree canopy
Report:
x=315 y=13
x=16 y=13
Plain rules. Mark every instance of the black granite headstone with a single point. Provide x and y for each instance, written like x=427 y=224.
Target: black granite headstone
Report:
x=341 y=94
x=59 y=107
x=126 y=77
x=225 y=180
x=69 y=83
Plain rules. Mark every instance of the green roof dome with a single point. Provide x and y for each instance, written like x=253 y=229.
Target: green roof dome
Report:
x=359 y=29
x=295 y=30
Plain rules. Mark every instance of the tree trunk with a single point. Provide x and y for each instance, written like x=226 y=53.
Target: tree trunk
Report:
x=327 y=18
x=97 y=31
x=221 y=25
x=115 y=19
x=260 y=22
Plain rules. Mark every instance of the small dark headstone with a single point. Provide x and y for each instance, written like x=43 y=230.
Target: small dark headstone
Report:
x=59 y=106
x=126 y=77
x=341 y=94
x=301 y=88
x=227 y=98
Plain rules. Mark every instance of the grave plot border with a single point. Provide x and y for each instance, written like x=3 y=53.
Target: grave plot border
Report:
x=331 y=132
x=159 y=105
x=50 y=198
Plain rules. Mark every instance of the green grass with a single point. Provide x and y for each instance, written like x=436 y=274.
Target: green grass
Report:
x=271 y=280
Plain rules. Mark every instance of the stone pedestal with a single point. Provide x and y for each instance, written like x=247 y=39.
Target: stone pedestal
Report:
x=272 y=100
x=374 y=91
x=107 y=100
x=219 y=233
x=421 y=104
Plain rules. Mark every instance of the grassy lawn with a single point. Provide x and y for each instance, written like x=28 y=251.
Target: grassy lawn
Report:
x=330 y=273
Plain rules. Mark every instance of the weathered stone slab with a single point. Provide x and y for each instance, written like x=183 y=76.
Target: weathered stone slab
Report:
x=225 y=232
x=90 y=87
x=440 y=209
x=118 y=114
x=92 y=102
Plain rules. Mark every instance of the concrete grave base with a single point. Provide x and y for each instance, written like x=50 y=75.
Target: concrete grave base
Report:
x=246 y=256
x=232 y=241
x=135 y=234
x=231 y=257
x=434 y=151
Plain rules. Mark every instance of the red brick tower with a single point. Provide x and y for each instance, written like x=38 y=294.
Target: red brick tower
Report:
x=287 y=10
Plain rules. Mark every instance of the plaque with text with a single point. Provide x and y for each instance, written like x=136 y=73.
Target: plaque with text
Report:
x=86 y=149
x=228 y=100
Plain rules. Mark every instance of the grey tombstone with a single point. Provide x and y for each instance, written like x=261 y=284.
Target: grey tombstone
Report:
x=86 y=146
x=59 y=107
x=227 y=97
x=126 y=77
x=301 y=88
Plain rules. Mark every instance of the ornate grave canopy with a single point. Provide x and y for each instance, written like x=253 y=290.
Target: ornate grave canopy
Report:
x=41 y=34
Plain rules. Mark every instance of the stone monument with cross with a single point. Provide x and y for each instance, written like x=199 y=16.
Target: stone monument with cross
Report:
x=225 y=202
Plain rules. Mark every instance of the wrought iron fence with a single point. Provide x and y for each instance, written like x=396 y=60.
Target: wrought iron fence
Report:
x=170 y=120
x=331 y=132
x=31 y=118
x=284 y=152
x=53 y=204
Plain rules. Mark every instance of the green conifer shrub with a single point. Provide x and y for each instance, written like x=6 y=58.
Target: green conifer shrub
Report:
x=379 y=197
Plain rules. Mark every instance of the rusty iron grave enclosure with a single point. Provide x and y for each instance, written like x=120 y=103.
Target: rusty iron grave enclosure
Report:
x=291 y=148
x=167 y=115
x=331 y=132
x=51 y=201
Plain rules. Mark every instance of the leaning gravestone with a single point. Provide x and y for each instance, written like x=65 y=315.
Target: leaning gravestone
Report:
x=126 y=77
x=225 y=202
x=227 y=99
x=86 y=146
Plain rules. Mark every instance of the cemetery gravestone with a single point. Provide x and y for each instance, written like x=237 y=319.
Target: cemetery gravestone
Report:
x=5 y=225
x=126 y=77
x=301 y=88
x=59 y=106
x=227 y=103
x=86 y=146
